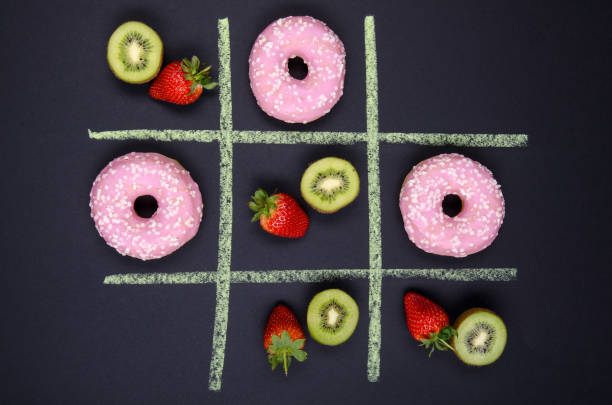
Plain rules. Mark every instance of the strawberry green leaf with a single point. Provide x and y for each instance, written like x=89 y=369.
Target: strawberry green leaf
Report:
x=260 y=195
x=299 y=355
x=262 y=204
x=283 y=349
x=210 y=86
x=439 y=340
x=197 y=77
x=273 y=360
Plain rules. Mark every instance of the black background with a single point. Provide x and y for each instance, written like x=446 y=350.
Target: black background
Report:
x=541 y=68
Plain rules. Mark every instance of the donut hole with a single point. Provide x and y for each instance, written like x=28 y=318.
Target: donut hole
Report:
x=452 y=205
x=298 y=69
x=145 y=206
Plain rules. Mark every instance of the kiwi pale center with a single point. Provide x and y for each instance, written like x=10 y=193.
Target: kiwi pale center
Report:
x=331 y=184
x=480 y=338
x=332 y=315
x=134 y=50
x=328 y=184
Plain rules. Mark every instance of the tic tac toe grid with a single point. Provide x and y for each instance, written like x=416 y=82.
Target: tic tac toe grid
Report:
x=226 y=136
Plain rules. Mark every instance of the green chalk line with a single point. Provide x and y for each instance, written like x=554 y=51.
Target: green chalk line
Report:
x=225 y=75
x=375 y=248
x=193 y=277
x=166 y=135
x=312 y=276
x=480 y=274
x=371 y=65
x=297 y=276
x=317 y=138
x=294 y=137
x=470 y=140
x=225 y=206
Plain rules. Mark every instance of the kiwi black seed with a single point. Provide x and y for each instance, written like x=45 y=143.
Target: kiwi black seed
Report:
x=481 y=337
x=134 y=52
x=329 y=184
x=332 y=317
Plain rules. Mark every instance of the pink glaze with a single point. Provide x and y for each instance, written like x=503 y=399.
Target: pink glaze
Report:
x=284 y=97
x=130 y=176
x=474 y=228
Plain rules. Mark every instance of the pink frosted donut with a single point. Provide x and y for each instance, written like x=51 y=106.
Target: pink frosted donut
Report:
x=277 y=92
x=481 y=215
x=122 y=181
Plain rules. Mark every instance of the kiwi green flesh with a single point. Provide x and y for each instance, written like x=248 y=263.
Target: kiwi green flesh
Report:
x=332 y=317
x=329 y=184
x=135 y=52
x=481 y=337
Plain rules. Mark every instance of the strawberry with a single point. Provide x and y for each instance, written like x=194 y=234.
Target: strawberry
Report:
x=283 y=338
x=181 y=83
x=428 y=322
x=279 y=214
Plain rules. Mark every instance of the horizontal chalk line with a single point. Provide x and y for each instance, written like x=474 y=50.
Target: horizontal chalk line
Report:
x=294 y=137
x=166 y=135
x=297 y=276
x=194 y=277
x=484 y=274
x=311 y=276
x=472 y=140
x=318 y=138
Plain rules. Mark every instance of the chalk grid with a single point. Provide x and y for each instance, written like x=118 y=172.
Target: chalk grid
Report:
x=226 y=136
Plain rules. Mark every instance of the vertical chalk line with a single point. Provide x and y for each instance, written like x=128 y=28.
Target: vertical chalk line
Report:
x=225 y=207
x=375 y=278
x=225 y=76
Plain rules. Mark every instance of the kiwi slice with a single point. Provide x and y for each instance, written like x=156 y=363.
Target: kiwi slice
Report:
x=329 y=184
x=332 y=317
x=481 y=337
x=134 y=52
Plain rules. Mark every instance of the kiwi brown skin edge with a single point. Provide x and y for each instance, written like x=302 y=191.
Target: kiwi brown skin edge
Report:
x=460 y=319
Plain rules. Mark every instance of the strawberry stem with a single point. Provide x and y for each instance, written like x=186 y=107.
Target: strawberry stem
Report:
x=447 y=345
x=285 y=366
x=439 y=340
